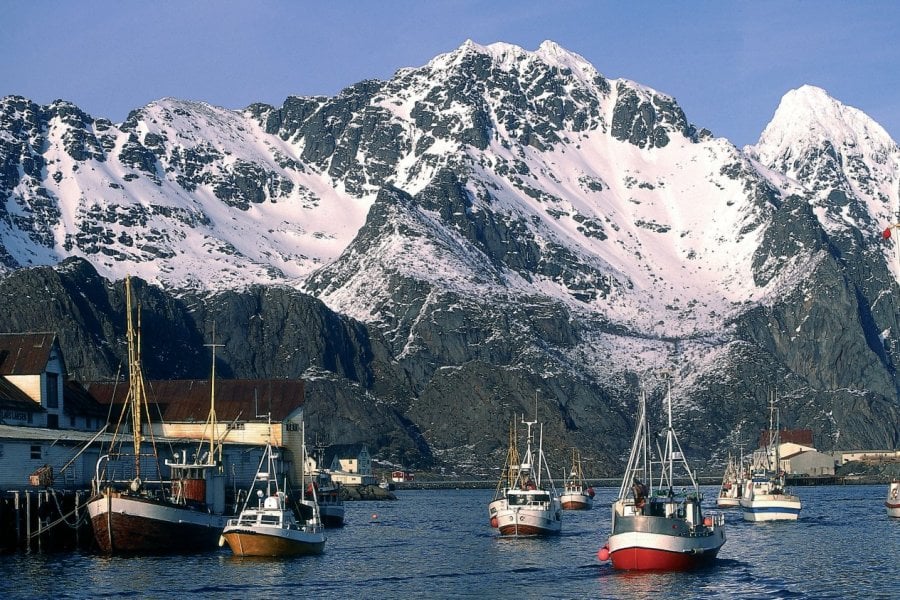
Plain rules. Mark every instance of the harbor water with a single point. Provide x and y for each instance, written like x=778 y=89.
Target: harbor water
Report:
x=438 y=544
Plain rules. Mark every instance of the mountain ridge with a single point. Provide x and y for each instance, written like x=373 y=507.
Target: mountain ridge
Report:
x=502 y=221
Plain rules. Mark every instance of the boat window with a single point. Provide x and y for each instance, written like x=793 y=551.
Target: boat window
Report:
x=269 y=520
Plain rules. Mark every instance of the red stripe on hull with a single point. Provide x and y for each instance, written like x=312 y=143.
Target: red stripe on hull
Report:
x=651 y=559
x=575 y=506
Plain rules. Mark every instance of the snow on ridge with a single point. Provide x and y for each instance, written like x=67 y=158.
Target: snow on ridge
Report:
x=809 y=115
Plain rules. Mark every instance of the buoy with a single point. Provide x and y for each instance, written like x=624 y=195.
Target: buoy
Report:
x=707 y=521
x=886 y=233
x=494 y=521
x=603 y=553
x=374 y=516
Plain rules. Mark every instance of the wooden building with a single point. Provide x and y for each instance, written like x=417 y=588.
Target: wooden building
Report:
x=244 y=408
x=32 y=369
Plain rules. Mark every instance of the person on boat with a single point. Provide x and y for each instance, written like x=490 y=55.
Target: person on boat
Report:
x=640 y=492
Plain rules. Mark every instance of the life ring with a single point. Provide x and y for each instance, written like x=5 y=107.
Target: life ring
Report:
x=894 y=493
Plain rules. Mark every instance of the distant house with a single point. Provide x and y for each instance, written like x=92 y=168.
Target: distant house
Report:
x=353 y=467
x=808 y=462
x=867 y=456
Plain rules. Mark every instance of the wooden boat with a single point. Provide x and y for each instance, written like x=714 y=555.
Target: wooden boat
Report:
x=575 y=495
x=655 y=527
x=764 y=496
x=531 y=503
x=271 y=527
x=893 y=499
x=137 y=514
x=732 y=484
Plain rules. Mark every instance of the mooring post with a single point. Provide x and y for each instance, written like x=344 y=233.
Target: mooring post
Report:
x=17 y=507
x=40 y=519
x=77 y=520
x=28 y=520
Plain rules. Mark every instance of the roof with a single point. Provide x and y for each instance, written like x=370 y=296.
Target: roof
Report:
x=25 y=353
x=77 y=401
x=12 y=398
x=804 y=437
x=188 y=400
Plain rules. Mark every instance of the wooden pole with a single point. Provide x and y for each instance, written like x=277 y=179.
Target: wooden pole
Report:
x=18 y=510
x=28 y=520
x=40 y=521
x=77 y=519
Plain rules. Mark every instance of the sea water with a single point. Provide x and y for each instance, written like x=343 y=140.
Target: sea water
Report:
x=438 y=544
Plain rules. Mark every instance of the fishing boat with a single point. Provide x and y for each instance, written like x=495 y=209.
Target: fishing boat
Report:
x=576 y=495
x=329 y=494
x=893 y=499
x=130 y=511
x=654 y=526
x=271 y=527
x=732 y=484
x=765 y=496
x=530 y=504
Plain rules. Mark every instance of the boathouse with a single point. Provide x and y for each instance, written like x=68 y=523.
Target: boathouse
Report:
x=243 y=408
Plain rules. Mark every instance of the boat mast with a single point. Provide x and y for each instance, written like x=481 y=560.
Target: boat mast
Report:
x=211 y=420
x=135 y=378
x=670 y=451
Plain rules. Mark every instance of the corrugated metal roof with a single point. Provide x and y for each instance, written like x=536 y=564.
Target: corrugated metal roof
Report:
x=25 y=353
x=188 y=400
x=12 y=398
x=77 y=401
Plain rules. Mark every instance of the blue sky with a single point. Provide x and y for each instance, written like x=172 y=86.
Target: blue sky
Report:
x=727 y=63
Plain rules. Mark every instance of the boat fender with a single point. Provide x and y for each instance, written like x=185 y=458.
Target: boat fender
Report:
x=708 y=521
x=603 y=553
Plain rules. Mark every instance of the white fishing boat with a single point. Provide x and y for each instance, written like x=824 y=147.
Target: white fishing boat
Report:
x=765 y=496
x=576 y=495
x=731 y=489
x=271 y=527
x=654 y=526
x=893 y=499
x=531 y=503
x=130 y=511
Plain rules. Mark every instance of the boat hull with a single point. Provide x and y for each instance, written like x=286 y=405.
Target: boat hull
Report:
x=646 y=551
x=127 y=524
x=524 y=521
x=576 y=502
x=726 y=502
x=331 y=515
x=245 y=541
x=771 y=508
x=893 y=500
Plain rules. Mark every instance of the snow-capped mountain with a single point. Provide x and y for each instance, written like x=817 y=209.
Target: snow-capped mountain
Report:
x=506 y=220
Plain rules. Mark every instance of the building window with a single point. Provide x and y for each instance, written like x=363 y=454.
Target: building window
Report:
x=52 y=421
x=36 y=452
x=52 y=390
x=292 y=426
x=72 y=422
x=236 y=426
